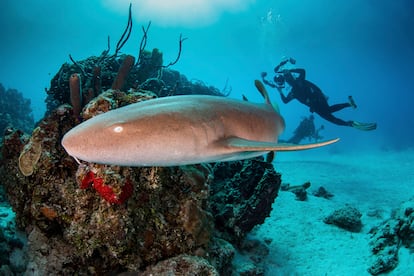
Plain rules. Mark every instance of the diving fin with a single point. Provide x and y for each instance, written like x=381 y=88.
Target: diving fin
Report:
x=364 y=126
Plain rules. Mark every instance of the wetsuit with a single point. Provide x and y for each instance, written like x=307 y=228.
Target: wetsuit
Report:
x=311 y=95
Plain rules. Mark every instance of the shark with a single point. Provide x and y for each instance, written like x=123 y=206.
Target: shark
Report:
x=181 y=130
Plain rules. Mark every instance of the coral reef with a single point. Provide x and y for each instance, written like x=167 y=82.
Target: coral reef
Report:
x=387 y=238
x=348 y=218
x=162 y=218
x=15 y=111
x=97 y=219
x=242 y=196
x=98 y=76
x=12 y=242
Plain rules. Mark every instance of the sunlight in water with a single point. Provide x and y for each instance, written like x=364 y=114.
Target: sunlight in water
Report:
x=189 y=13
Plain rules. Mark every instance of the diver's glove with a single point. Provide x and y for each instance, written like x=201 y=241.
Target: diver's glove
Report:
x=283 y=62
x=364 y=126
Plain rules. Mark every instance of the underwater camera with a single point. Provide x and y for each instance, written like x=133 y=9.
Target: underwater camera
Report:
x=279 y=79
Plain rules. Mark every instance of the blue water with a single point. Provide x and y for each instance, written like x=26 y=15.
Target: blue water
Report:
x=363 y=48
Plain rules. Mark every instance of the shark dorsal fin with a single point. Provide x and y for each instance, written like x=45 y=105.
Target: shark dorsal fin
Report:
x=259 y=85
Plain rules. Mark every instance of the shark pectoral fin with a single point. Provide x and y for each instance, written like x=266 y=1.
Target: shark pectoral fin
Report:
x=249 y=145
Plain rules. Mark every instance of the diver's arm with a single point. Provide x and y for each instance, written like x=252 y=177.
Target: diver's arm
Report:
x=291 y=60
x=277 y=68
x=264 y=74
x=300 y=71
x=285 y=99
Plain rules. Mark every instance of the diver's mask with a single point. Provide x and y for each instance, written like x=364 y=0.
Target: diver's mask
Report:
x=279 y=79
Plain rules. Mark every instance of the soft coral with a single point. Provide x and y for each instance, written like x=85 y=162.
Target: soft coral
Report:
x=106 y=191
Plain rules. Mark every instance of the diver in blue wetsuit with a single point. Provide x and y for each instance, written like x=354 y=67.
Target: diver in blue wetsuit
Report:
x=311 y=95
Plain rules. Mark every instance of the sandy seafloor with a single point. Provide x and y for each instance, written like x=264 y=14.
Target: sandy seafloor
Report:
x=302 y=244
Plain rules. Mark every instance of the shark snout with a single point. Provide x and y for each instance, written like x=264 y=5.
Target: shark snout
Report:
x=68 y=142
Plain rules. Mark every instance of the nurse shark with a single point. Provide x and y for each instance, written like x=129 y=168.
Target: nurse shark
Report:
x=181 y=130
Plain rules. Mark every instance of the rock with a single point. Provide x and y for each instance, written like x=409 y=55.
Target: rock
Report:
x=348 y=218
x=255 y=249
x=249 y=260
x=299 y=190
x=220 y=255
x=387 y=238
x=384 y=263
x=5 y=270
x=4 y=251
x=249 y=269
x=322 y=192
x=182 y=265
x=300 y=194
x=242 y=194
x=405 y=216
x=18 y=260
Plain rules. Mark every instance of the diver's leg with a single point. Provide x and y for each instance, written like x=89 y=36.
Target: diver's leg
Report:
x=352 y=102
x=331 y=118
x=337 y=107
x=354 y=124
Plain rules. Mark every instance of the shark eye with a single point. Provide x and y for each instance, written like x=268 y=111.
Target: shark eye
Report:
x=118 y=129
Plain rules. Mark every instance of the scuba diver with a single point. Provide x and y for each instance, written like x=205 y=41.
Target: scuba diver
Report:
x=311 y=95
x=306 y=129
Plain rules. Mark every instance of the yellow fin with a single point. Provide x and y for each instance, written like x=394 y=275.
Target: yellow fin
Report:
x=260 y=86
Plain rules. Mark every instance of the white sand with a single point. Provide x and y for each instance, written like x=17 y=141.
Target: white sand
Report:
x=304 y=245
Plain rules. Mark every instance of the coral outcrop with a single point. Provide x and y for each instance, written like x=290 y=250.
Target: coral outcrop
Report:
x=166 y=214
x=15 y=111
x=98 y=76
x=242 y=196
x=347 y=217
x=12 y=243
x=387 y=238
x=93 y=219
x=74 y=225
x=182 y=265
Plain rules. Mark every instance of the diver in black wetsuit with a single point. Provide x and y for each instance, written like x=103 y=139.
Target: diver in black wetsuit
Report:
x=306 y=129
x=311 y=95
